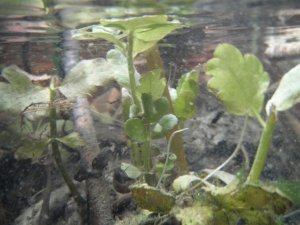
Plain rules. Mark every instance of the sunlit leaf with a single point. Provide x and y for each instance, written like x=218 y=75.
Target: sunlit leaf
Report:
x=288 y=92
x=131 y=171
x=152 y=199
x=187 y=91
x=238 y=81
x=148 y=30
x=19 y=92
x=136 y=130
x=152 y=84
x=146 y=38
x=72 y=140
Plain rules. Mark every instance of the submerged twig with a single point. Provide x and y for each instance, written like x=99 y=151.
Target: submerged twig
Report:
x=98 y=191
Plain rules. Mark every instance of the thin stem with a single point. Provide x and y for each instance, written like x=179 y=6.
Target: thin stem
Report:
x=263 y=148
x=44 y=213
x=260 y=119
x=55 y=149
x=167 y=156
x=146 y=151
x=131 y=70
x=236 y=150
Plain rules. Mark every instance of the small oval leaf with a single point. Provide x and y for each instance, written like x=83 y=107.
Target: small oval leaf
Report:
x=136 y=130
x=168 y=122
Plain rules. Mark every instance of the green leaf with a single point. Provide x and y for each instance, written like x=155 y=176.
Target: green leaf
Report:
x=131 y=171
x=84 y=77
x=164 y=125
x=96 y=32
x=136 y=130
x=291 y=189
x=146 y=38
x=187 y=91
x=168 y=122
x=288 y=92
x=148 y=30
x=19 y=92
x=238 y=81
x=152 y=199
x=161 y=106
x=152 y=84
x=147 y=106
x=31 y=149
x=72 y=140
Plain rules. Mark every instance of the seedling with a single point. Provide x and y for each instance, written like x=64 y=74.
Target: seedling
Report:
x=148 y=110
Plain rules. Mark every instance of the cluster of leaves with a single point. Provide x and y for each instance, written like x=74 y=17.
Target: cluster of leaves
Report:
x=240 y=82
x=146 y=109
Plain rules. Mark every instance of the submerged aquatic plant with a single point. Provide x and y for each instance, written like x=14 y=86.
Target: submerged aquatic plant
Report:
x=149 y=111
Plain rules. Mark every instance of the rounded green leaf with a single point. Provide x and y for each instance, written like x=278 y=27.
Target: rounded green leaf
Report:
x=238 y=81
x=136 y=130
x=165 y=124
x=168 y=122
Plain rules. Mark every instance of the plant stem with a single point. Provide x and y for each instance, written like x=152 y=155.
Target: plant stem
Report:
x=154 y=61
x=131 y=70
x=263 y=148
x=168 y=154
x=55 y=149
